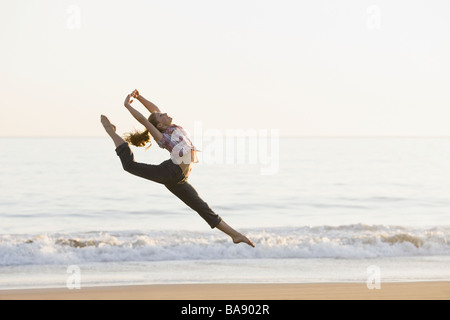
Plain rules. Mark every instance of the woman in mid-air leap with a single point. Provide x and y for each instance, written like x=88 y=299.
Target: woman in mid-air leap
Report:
x=172 y=173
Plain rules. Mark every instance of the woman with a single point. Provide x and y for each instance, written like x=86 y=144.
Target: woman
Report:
x=172 y=173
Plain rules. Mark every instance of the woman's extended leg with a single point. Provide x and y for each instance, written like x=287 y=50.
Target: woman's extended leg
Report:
x=186 y=193
x=156 y=173
x=111 y=130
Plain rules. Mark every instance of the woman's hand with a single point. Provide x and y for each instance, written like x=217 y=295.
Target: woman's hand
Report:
x=135 y=94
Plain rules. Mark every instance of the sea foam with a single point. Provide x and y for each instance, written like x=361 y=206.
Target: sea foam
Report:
x=338 y=242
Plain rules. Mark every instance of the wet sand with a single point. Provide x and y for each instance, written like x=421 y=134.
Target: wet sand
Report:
x=319 y=291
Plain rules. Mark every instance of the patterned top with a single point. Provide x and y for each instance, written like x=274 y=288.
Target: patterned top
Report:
x=177 y=141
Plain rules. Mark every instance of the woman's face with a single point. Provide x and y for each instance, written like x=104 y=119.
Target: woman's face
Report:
x=164 y=120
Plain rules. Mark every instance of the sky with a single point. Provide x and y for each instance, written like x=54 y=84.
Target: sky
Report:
x=305 y=68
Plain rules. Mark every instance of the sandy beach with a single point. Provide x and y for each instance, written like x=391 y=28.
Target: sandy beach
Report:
x=319 y=291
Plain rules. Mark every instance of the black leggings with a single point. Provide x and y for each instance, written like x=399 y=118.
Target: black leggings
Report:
x=170 y=175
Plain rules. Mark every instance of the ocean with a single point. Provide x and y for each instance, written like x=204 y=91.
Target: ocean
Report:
x=317 y=209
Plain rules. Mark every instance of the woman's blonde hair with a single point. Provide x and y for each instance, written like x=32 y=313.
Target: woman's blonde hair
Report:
x=140 y=139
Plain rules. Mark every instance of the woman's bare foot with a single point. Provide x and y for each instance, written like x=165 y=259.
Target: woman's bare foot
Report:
x=237 y=237
x=109 y=127
x=241 y=238
x=111 y=130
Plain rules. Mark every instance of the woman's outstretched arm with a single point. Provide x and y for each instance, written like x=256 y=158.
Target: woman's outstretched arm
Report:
x=156 y=134
x=149 y=105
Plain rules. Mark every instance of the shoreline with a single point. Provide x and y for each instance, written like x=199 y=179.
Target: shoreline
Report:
x=439 y=290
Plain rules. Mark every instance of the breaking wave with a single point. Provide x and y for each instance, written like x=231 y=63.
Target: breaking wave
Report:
x=338 y=242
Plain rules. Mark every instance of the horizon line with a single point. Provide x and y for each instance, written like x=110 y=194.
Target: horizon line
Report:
x=281 y=136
